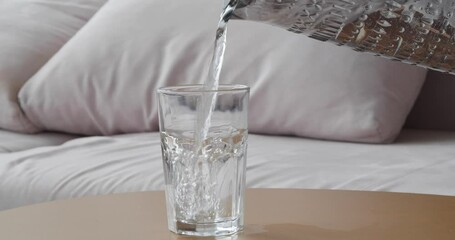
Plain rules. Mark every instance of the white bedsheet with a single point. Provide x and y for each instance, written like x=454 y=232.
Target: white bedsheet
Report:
x=13 y=142
x=420 y=162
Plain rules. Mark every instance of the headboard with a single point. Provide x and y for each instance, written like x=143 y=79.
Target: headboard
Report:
x=435 y=106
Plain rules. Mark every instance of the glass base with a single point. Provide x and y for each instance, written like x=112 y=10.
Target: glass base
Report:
x=207 y=229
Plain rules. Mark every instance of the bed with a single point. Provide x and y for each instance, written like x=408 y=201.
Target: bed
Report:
x=419 y=162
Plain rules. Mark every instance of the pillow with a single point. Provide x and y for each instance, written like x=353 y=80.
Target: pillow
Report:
x=31 y=31
x=104 y=80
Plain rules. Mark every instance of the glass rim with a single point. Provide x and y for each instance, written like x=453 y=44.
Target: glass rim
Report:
x=199 y=88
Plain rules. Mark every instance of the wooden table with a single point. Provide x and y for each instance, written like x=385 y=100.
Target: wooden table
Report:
x=270 y=214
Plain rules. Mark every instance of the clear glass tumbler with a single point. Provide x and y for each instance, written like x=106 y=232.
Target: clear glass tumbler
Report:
x=204 y=169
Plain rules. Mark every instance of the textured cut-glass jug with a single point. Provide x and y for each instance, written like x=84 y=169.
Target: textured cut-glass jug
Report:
x=418 y=32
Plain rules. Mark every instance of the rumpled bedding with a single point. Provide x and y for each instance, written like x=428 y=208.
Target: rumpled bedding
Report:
x=419 y=162
x=14 y=142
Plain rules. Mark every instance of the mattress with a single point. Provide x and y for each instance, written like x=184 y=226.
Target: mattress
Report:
x=419 y=162
x=13 y=142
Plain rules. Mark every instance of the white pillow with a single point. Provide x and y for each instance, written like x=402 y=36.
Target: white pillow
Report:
x=31 y=31
x=104 y=80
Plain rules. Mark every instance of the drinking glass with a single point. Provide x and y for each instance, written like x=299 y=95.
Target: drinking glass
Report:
x=204 y=142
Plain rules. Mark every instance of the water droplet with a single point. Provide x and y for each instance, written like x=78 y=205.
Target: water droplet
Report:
x=383 y=23
x=424 y=31
x=389 y=14
x=419 y=40
x=355 y=31
x=401 y=30
x=380 y=31
x=393 y=4
x=407 y=18
x=437 y=40
x=397 y=39
x=363 y=17
x=368 y=7
x=433 y=47
x=373 y=38
x=359 y=24
x=428 y=21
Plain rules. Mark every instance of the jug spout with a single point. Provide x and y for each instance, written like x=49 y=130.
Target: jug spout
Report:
x=244 y=3
x=240 y=5
x=281 y=13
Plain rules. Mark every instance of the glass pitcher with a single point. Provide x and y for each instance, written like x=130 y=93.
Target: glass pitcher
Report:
x=419 y=32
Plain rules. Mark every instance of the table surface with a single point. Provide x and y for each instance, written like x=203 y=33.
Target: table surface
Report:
x=270 y=214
